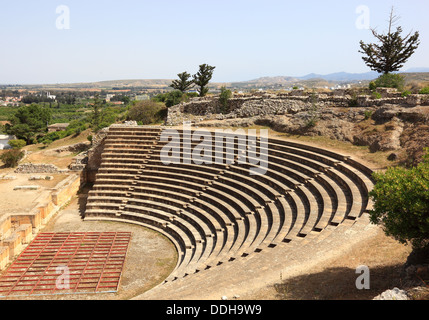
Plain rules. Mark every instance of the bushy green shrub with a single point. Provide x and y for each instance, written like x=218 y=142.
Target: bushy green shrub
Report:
x=12 y=157
x=406 y=93
x=401 y=203
x=17 y=144
x=174 y=97
x=424 y=90
x=147 y=112
x=225 y=95
x=53 y=136
x=368 y=114
x=376 y=95
x=389 y=80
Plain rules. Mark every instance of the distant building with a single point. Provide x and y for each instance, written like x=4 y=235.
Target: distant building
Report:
x=109 y=96
x=4 y=141
x=50 y=96
x=57 y=127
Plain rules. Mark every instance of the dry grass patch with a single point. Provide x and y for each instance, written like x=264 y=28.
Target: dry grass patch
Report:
x=70 y=140
x=41 y=154
x=61 y=161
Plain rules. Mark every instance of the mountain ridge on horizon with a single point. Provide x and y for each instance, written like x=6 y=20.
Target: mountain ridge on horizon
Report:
x=346 y=76
x=332 y=77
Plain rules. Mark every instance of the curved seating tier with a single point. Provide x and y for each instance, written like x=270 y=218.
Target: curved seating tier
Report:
x=217 y=212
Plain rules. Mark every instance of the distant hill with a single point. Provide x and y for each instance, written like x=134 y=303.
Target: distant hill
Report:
x=342 y=76
x=278 y=82
x=345 y=76
x=417 y=77
x=272 y=79
x=413 y=70
x=146 y=83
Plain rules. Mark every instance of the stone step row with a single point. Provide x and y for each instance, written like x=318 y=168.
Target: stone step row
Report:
x=218 y=213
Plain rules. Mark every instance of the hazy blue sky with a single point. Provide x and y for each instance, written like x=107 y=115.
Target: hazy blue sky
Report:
x=244 y=39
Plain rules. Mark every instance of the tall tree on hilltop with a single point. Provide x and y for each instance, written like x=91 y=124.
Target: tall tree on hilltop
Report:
x=202 y=78
x=392 y=52
x=183 y=84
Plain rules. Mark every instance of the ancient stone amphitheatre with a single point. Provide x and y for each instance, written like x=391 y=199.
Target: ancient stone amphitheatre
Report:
x=230 y=229
x=233 y=231
x=195 y=229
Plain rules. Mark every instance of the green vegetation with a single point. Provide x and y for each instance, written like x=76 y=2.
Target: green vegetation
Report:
x=424 y=90
x=376 y=95
x=17 y=144
x=123 y=98
x=368 y=114
x=225 y=95
x=29 y=122
x=183 y=84
x=406 y=93
x=392 y=52
x=96 y=107
x=170 y=98
x=401 y=203
x=174 y=97
x=389 y=80
x=202 y=78
x=12 y=157
x=6 y=112
x=147 y=112
x=312 y=114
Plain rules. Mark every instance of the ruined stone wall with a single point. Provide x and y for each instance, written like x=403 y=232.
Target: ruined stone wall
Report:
x=78 y=147
x=93 y=162
x=37 y=168
x=5 y=225
x=19 y=229
x=65 y=190
x=262 y=104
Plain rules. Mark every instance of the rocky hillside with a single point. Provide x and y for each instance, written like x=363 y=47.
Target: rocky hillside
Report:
x=391 y=123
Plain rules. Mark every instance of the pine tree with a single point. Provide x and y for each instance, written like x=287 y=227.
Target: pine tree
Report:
x=202 y=78
x=182 y=84
x=392 y=52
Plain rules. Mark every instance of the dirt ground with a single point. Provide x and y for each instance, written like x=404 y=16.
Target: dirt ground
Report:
x=335 y=279
x=18 y=201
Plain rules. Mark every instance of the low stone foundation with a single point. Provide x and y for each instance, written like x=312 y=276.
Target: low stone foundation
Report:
x=37 y=168
x=17 y=230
